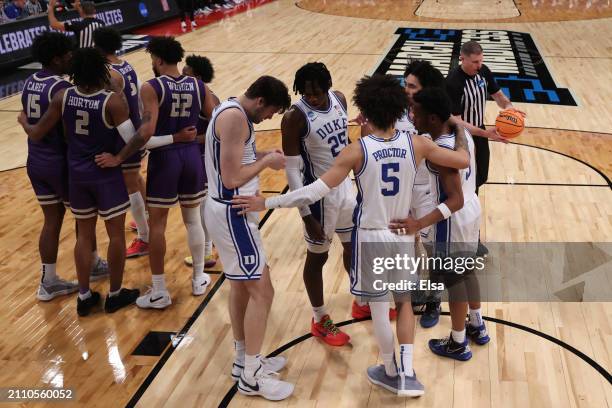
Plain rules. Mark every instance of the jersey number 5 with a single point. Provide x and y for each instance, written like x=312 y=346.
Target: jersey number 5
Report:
x=387 y=170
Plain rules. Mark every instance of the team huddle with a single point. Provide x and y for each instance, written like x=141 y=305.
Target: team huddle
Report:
x=415 y=168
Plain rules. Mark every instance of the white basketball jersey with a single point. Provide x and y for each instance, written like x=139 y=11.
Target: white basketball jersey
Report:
x=468 y=176
x=325 y=137
x=406 y=125
x=216 y=189
x=385 y=180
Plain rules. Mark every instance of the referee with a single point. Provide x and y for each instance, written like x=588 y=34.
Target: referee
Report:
x=83 y=29
x=468 y=86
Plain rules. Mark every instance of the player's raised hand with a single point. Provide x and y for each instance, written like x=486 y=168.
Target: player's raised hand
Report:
x=275 y=160
x=405 y=226
x=107 y=160
x=247 y=204
x=359 y=120
x=187 y=134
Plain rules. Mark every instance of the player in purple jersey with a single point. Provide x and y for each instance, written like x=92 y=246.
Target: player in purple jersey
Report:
x=91 y=117
x=171 y=101
x=46 y=163
x=200 y=67
x=124 y=81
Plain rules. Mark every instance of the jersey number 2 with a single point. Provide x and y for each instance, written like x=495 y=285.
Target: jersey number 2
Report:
x=387 y=170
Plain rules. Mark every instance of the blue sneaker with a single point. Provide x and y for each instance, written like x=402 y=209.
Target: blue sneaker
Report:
x=409 y=386
x=447 y=347
x=377 y=375
x=478 y=335
x=431 y=315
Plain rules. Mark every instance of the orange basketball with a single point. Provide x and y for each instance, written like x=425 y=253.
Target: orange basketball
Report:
x=509 y=124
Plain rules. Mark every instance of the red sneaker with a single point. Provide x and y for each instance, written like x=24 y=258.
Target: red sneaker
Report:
x=329 y=333
x=137 y=248
x=362 y=312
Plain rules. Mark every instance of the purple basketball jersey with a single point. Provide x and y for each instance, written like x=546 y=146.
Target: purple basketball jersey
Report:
x=88 y=133
x=130 y=90
x=180 y=102
x=35 y=100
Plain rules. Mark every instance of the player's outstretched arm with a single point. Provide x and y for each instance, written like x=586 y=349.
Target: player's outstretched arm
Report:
x=53 y=21
x=457 y=159
x=350 y=158
x=50 y=118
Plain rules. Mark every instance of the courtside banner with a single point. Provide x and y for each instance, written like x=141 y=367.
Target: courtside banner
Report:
x=16 y=37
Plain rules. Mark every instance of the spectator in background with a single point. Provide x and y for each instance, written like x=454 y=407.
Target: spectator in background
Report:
x=3 y=16
x=34 y=7
x=15 y=10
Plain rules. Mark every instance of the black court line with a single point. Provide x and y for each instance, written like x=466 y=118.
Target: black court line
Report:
x=10 y=110
x=181 y=334
x=507 y=183
x=234 y=389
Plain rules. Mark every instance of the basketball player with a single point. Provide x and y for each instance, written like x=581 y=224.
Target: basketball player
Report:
x=91 y=117
x=124 y=81
x=46 y=164
x=384 y=164
x=233 y=165
x=171 y=102
x=460 y=230
x=314 y=133
x=200 y=67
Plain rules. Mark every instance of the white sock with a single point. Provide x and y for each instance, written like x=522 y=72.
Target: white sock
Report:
x=240 y=350
x=406 y=352
x=476 y=317
x=114 y=293
x=207 y=241
x=159 y=283
x=47 y=273
x=137 y=207
x=319 y=312
x=360 y=303
x=458 y=336
x=195 y=238
x=384 y=334
x=251 y=364
x=85 y=295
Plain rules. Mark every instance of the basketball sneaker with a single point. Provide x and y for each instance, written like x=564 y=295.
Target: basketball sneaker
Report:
x=270 y=364
x=125 y=298
x=209 y=261
x=363 y=312
x=154 y=300
x=266 y=385
x=377 y=375
x=84 y=306
x=448 y=347
x=58 y=287
x=99 y=271
x=431 y=315
x=409 y=386
x=478 y=335
x=183 y=26
x=328 y=332
x=193 y=25
x=198 y=286
x=137 y=248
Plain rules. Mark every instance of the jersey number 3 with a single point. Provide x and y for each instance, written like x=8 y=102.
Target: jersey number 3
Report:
x=392 y=182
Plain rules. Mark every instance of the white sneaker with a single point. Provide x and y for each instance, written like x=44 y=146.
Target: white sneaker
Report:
x=59 y=287
x=193 y=24
x=154 y=300
x=271 y=365
x=198 y=286
x=266 y=385
x=183 y=26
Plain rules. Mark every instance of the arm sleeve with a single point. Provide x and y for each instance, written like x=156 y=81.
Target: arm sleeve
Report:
x=303 y=196
x=293 y=170
x=159 y=141
x=492 y=85
x=454 y=88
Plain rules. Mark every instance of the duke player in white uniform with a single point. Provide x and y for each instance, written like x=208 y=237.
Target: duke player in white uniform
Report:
x=232 y=166
x=314 y=133
x=384 y=164
x=457 y=234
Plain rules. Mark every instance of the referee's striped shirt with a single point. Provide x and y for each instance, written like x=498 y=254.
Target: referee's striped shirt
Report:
x=83 y=30
x=469 y=94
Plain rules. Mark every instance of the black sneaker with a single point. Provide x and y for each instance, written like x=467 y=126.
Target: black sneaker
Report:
x=482 y=250
x=431 y=315
x=125 y=298
x=85 y=306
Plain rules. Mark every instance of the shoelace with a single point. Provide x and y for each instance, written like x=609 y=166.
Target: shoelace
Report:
x=331 y=327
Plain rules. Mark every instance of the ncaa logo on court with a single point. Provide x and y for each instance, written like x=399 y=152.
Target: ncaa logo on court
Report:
x=513 y=58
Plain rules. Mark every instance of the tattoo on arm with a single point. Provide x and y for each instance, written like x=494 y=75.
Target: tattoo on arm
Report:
x=461 y=141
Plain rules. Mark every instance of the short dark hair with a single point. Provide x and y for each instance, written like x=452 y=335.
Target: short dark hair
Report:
x=434 y=101
x=108 y=40
x=89 y=68
x=49 y=45
x=273 y=91
x=88 y=7
x=167 y=48
x=382 y=99
x=314 y=72
x=470 y=48
x=202 y=67
x=427 y=74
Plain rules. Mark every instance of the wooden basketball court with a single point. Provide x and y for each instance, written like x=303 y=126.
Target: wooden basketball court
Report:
x=551 y=185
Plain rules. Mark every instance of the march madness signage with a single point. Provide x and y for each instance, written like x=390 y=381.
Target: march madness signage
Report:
x=513 y=58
